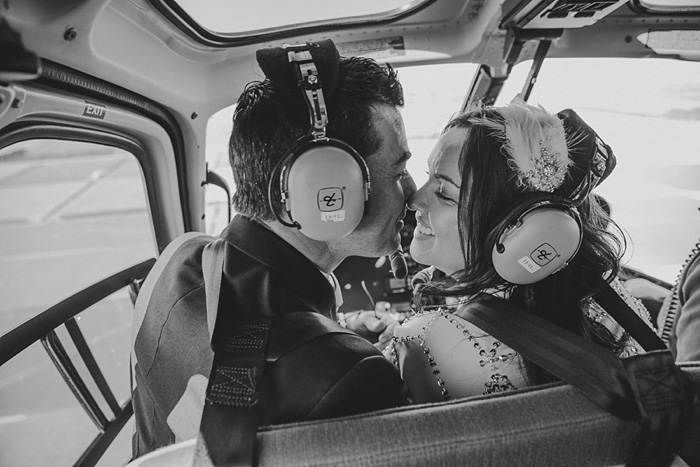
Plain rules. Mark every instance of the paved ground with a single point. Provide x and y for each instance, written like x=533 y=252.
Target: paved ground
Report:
x=64 y=223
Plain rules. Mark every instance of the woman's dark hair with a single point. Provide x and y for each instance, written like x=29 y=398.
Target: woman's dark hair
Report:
x=488 y=189
x=267 y=124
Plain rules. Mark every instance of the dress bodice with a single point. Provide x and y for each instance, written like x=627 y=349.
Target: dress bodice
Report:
x=442 y=356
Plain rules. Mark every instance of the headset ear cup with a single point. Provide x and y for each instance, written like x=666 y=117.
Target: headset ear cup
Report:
x=325 y=187
x=535 y=240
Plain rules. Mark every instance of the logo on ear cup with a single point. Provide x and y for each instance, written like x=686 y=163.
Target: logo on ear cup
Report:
x=540 y=256
x=543 y=254
x=330 y=199
x=330 y=204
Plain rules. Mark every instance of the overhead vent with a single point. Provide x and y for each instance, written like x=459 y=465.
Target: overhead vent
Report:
x=555 y=14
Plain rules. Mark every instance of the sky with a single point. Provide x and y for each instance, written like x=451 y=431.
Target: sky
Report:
x=244 y=15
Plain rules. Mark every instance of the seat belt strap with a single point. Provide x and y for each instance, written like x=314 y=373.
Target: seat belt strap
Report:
x=231 y=415
x=231 y=412
x=616 y=307
x=648 y=388
x=594 y=370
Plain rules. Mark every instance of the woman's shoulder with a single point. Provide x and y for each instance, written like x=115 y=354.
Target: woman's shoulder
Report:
x=443 y=318
x=415 y=324
x=461 y=358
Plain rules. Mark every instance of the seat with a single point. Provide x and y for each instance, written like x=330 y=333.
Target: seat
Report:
x=679 y=318
x=541 y=426
x=651 y=294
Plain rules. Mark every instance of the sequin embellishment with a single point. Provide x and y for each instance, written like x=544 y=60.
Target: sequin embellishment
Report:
x=490 y=357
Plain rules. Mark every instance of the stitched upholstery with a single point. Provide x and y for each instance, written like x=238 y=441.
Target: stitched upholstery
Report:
x=548 y=425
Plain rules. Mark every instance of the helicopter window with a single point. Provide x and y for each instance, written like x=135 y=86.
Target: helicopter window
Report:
x=432 y=94
x=218 y=133
x=229 y=17
x=71 y=213
x=66 y=206
x=648 y=111
x=652 y=125
x=669 y=6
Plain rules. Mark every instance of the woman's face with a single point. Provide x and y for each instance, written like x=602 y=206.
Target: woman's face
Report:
x=436 y=237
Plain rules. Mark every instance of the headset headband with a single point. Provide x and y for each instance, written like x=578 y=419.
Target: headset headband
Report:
x=275 y=64
x=310 y=82
x=593 y=160
x=597 y=171
x=323 y=182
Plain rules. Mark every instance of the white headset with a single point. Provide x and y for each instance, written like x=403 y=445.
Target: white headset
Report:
x=324 y=183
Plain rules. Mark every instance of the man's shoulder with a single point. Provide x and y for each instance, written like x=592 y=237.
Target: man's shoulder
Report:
x=317 y=339
x=186 y=246
x=291 y=331
x=180 y=263
x=176 y=274
x=329 y=372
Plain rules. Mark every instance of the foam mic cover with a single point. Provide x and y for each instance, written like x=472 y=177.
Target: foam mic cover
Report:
x=423 y=276
x=399 y=268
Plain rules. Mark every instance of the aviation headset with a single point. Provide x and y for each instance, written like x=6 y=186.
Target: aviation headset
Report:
x=324 y=183
x=540 y=234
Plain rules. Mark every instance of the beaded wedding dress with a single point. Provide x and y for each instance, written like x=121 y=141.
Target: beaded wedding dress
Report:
x=441 y=356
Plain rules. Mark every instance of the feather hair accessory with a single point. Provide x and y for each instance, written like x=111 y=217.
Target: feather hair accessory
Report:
x=535 y=142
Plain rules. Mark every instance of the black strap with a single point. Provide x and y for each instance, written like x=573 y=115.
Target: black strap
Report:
x=231 y=415
x=648 y=388
x=595 y=371
x=231 y=410
x=628 y=319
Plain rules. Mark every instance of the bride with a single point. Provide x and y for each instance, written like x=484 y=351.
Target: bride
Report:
x=508 y=213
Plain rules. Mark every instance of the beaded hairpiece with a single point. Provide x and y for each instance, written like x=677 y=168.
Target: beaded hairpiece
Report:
x=535 y=142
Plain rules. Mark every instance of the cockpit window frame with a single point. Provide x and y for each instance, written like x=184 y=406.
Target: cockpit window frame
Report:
x=648 y=8
x=172 y=10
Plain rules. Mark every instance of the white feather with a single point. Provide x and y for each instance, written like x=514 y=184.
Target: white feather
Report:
x=535 y=143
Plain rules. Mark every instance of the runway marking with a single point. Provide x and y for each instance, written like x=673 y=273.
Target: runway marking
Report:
x=13 y=419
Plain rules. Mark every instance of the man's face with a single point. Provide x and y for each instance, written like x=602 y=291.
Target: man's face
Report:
x=378 y=233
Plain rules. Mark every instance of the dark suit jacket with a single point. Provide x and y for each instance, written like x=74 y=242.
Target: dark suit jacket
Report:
x=307 y=376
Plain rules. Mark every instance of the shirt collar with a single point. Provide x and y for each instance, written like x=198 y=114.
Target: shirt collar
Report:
x=312 y=286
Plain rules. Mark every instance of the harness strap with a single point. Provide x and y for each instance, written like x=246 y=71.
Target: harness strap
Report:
x=231 y=415
x=647 y=388
x=231 y=409
x=628 y=319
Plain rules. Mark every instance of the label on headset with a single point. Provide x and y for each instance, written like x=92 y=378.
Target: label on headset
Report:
x=529 y=265
x=330 y=199
x=334 y=216
x=540 y=256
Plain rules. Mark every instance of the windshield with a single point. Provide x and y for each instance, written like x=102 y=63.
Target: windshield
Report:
x=234 y=17
x=647 y=110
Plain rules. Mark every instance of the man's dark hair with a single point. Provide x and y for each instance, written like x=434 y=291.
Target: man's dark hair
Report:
x=266 y=125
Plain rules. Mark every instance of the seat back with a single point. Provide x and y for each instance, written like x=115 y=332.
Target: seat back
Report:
x=546 y=425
